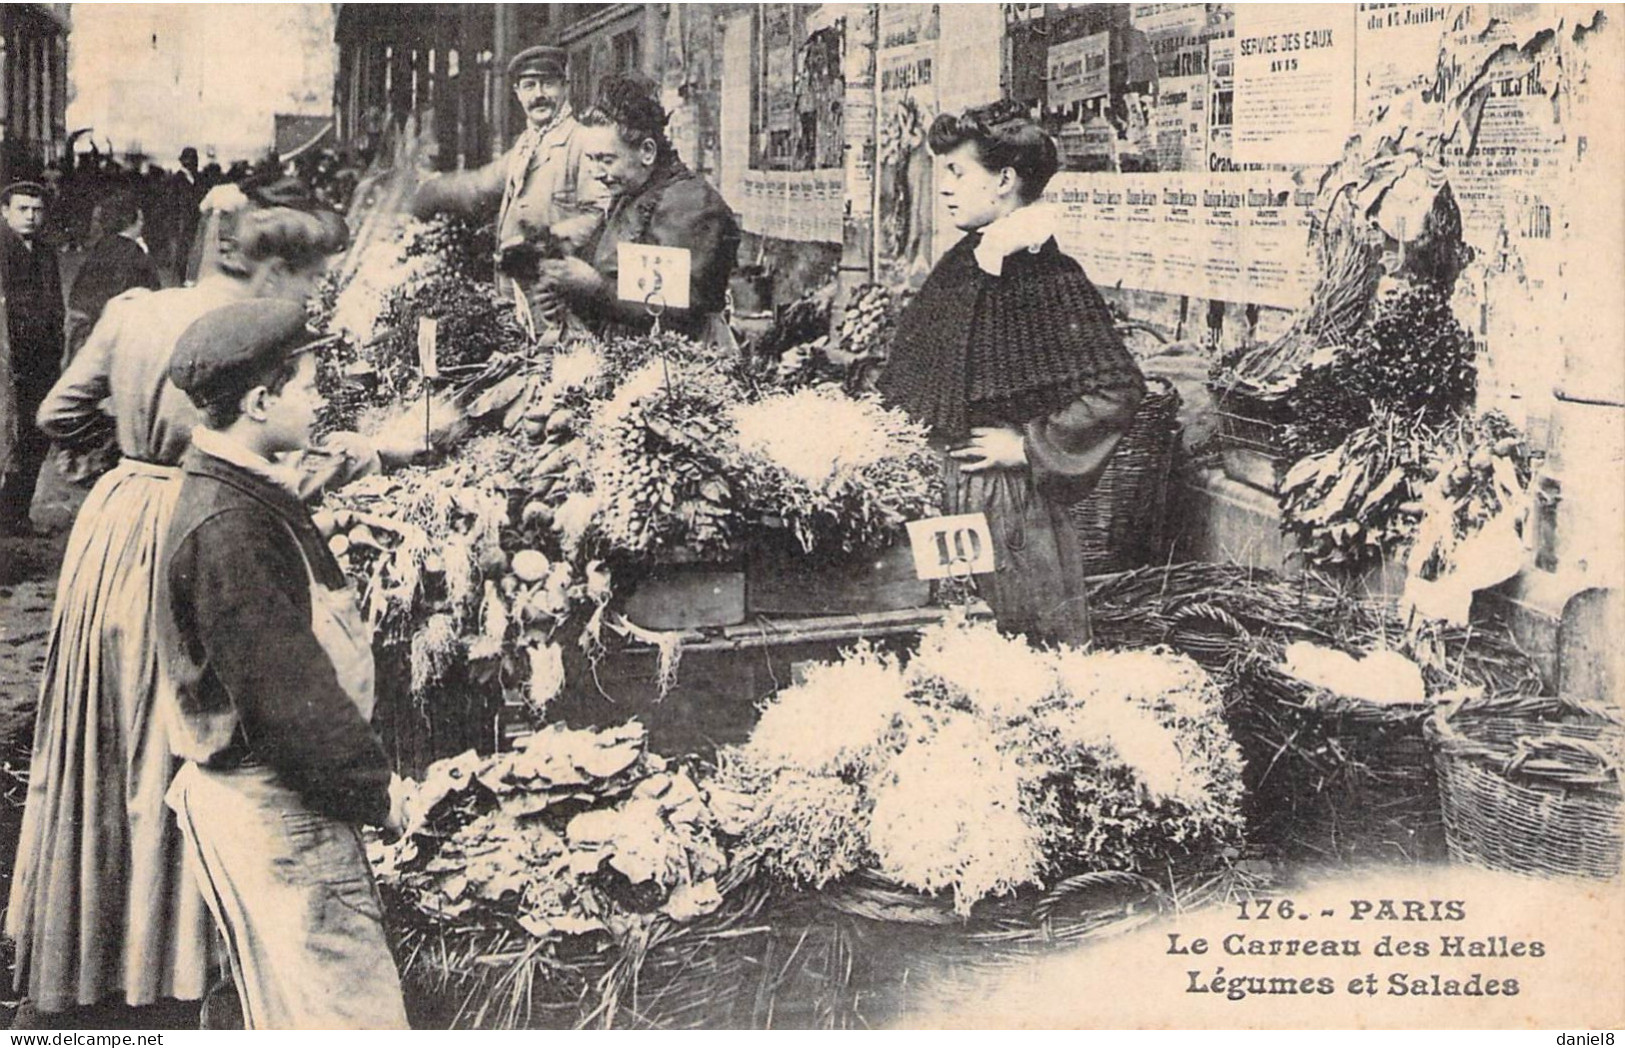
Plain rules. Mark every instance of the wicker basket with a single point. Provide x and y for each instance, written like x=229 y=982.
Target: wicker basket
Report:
x=1122 y=522
x=1531 y=785
x=1320 y=765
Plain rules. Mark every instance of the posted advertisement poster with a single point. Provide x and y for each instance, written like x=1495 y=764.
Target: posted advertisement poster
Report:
x=804 y=206
x=1078 y=70
x=1511 y=148
x=779 y=66
x=907 y=66
x=970 y=67
x=1294 y=69
x=1221 y=108
x=1398 y=53
x=1276 y=215
x=1177 y=35
x=1180 y=123
x=1232 y=236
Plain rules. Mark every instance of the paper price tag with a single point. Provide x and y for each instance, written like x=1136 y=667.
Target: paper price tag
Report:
x=949 y=547
x=428 y=354
x=657 y=276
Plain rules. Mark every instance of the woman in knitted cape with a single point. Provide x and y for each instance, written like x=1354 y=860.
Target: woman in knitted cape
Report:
x=1009 y=355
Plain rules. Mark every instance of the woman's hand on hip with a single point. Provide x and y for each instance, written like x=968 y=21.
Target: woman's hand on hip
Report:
x=995 y=447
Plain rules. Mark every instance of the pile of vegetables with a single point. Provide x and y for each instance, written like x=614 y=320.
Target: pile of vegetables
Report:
x=982 y=766
x=660 y=448
x=1372 y=390
x=1413 y=359
x=1400 y=477
x=841 y=474
x=445 y=569
x=600 y=460
x=572 y=833
x=435 y=270
x=854 y=354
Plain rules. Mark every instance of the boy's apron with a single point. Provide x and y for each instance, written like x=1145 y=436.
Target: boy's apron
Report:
x=291 y=888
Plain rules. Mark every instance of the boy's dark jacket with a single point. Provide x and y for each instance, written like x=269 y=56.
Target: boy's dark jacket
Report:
x=234 y=621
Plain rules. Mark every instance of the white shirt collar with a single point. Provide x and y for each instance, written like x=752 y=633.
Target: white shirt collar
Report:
x=215 y=443
x=138 y=241
x=1024 y=229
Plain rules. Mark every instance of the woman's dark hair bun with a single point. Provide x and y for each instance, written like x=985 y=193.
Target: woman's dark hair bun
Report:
x=1005 y=136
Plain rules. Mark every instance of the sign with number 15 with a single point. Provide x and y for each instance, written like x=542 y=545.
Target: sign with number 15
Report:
x=950 y=547
x=655 y=276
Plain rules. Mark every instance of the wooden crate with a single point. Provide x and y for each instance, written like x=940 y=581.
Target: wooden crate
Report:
x=723 y=675
x=1258 y=469
x=780 y=583
x=688 y=596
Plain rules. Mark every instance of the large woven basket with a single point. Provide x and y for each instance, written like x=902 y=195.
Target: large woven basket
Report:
x=1531 y=785
x=1338 y=772
x=1122 y=522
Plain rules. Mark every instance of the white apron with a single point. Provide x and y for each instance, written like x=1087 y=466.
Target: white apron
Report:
x=291 y=888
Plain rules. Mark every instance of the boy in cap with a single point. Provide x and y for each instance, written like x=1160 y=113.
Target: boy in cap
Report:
x=273 y=675
x=537 y=185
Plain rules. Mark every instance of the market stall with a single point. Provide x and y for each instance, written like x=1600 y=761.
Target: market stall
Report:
x=678 y=704
x=694 y=742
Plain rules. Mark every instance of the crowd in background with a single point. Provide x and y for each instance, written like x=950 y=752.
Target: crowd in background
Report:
x=168 y=197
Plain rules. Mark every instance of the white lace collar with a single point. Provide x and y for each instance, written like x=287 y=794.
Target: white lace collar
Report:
x=1024 y=229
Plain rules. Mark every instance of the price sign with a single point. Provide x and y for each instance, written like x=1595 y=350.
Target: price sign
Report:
x=949 y=547
x=657 y=276
x=428 y=355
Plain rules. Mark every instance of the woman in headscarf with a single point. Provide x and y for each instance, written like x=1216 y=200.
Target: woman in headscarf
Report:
x=1009 y=355
x=103 y=909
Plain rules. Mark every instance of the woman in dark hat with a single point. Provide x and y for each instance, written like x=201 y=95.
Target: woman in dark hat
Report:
x=1009 y=355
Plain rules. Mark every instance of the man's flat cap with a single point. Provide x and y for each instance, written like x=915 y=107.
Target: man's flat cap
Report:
x=540 y=60
x=226 y=348
x=33 y=189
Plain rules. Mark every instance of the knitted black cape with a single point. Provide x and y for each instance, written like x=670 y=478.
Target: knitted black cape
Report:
x=973 y=349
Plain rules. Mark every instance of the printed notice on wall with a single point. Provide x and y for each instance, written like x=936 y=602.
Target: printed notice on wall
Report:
x=1398 y=53
x=792 y=205
x=1294 y=70
x=1232 y=236
x=1078 y=69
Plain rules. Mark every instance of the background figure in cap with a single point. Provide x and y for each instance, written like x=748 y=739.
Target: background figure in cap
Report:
x=541 y=201
x=30 y=346
x=179 y=221
x=656 y=200
x=102 y=905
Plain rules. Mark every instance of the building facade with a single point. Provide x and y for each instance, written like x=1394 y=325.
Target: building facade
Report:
x=34 y=71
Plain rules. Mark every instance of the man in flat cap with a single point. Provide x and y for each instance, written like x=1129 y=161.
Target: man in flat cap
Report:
x=30 y=347
x=543 y=205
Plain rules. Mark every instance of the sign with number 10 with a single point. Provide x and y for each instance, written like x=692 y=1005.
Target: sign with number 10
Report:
x=949 y=547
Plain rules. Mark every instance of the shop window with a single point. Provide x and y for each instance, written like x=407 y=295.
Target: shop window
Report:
x=798 y=91
x=628 y=50
x=583 y=84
